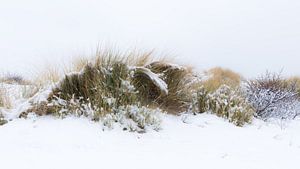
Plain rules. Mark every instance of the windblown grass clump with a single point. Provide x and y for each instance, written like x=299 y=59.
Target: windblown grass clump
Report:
x=106 y=85
x=178 y=82
x=219 y=76
x=103 y=86
x=111 y=80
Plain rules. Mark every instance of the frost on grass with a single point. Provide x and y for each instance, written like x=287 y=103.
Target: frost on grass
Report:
x=229 y=103
x=224 y=102
x=102 y=90
x=134 y=118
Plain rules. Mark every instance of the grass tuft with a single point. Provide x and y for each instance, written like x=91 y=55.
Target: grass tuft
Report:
x=219 y=76
x=178 y=80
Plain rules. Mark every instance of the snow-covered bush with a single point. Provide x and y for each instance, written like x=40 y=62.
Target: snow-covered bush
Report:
x=272 y=97
x=200 y=101
x=130 y=117
x=77 y=107
x=134 y=118
x=224 y=102
x=228 y=103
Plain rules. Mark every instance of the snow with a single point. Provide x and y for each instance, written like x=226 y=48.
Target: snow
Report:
x=185 y=141
x=202 y=141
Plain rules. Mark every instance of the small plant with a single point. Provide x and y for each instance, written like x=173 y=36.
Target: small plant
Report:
x=200 y=101
x=230 y=104
x=272 y=97
x=224 y=102
x=134 y=118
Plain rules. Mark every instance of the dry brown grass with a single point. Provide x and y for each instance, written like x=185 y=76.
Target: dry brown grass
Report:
x=77 y=64
x=219 y=76
x=296 y=81
x=51 y=74
x=178 y=79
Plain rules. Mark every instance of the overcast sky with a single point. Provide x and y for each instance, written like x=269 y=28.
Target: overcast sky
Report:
x=247 y=36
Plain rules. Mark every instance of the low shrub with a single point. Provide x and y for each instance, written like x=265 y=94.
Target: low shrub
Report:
x=229 y=103
x=225 y=102
x=200 y=101
x=134 y=118
x=271 y=96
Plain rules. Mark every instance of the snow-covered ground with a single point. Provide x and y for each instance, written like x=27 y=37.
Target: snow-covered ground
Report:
x=203 y=141
x=186 y=141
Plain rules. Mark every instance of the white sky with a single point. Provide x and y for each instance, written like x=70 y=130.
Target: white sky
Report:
x=246 y=36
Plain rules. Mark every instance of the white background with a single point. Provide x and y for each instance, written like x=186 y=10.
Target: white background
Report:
x=246 y=36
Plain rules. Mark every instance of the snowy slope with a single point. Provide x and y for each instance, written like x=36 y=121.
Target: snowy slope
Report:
x=202 y=141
